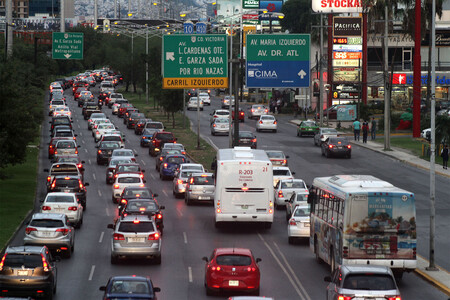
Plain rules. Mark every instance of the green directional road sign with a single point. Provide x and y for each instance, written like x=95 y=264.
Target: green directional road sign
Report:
x=195 y=61
x=278 y=60
x=67 y=45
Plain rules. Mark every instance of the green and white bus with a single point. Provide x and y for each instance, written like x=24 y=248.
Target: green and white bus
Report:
x=360 y=219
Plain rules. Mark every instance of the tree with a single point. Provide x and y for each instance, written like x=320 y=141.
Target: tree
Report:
x=172 y=102
x=298 y=17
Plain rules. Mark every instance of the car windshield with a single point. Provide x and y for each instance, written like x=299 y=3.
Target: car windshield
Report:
x=129 y=180
x=47 y=223
x=63 y=144
x=59 y=198
x=275 y=154
x=369 y=282
x=309 y=124
x=98 y=116
x=63 y=134
x=222 y=113
x=186 y=174
x=68 y=159
x=136 y=227
x=245 y=135
x=293 y=185
x=170 y=151
x=301 y=211
x=281 y=173
x=301 y=198
x=62 y=182
x=128 y=168
x=233 y=260
x=137 y=193
x=61 y=121
x=222 y=120
x=336 y=141
x=129 y=287
x=141 y=206
x=203 y=180
x=115 y=162
x=123 y=153
x=26 y=260
x=267 y=118
x=175 y=160
x=109 y=145
x=329 y=130
x=106 y=126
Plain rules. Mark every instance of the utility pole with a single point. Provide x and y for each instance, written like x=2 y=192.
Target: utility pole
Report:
x=115 y=9
x=146 y=66
x=387 y=98
x=432 y=266
x=62 y=26
x=95 y=12
x=321 y=72
x=417 y=70
x=230 y=90
x=8 y=28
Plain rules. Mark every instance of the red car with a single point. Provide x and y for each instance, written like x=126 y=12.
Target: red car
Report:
x=232 y=269
x=241 y=115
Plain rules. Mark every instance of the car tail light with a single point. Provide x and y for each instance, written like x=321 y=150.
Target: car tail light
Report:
x=53 y=184
x=218 y=268
x=260 y=122
x=64 y=231
x=349 y=146
x=165 y=165
x=56 y=151
x=79 y=166
x=251 y=269
x=116 y=186
x=341 y=297
x=159 y=216
x=292 y=222
x=2 y=262
x=123 y=201
x=28 y=230
x=44 y=264
x=99 y=151
x=141 y=175
x=241 y=113
x=275 y=122
x=49 y=178
x=73 y=208
x=330 y=146
x=254 y=141
x=284 y=161
x=97 y=132
x=214 y=125
x=179 y=181
x=143 y=137
x=142 y=185
x=395 y=298
x=80 y=184
x=153 y=237
x=280 y=194
x=76 y=151
x=46 y=208
x=118 y=237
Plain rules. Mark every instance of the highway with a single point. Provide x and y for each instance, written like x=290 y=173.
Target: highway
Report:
x=288 y=271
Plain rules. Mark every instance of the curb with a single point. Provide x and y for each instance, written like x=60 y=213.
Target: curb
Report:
x=16 y=231
x=442 y=287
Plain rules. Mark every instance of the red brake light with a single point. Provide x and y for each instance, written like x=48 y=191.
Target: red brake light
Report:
x=254 y=140
x=340 y=297
x=349 y=146
x=44 y=263
x=179 y=181
x=136 y=221
x=28 y=230
x=64 y=231
x=165 y=165
x=99 y=151
x=2 y=262
x=153 y=237
x=292 y=222
x=216 y=268
x=260 y=122
x=330 y=146
x=275 y=122
x=79 y=166
x=395 y=298
x=118 y=237
x=116 y=186
x=280 y=194
x=49 y=178
x=159 y=216
x=73 y=208
x=123 y=201
x=46 y=208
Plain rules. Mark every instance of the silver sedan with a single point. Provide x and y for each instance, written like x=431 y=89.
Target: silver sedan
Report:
x=220 y=126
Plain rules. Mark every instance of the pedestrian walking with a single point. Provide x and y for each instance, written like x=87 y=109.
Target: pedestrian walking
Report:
x=356 y=129
x=365 y=130
x=373 y=129
x=444 y=155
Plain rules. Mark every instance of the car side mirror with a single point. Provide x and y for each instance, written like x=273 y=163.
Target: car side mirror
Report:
x=205 y=258
x=156 y=289
x=136 y=154
x=86 y=184
x=287 y=156
x=145 y=181
x=50 y=123
x=286 y=200
x=162 y=207
x=96 y=146
x=103 y=288
x=155 y=195
x=75 y=134
x=78 y=146
x=83 y=162
x=293 y=173
x=258 y=260
x=327 y=279
x=110 y=226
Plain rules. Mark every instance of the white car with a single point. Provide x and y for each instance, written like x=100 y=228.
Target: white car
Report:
x=56 y=104
x=192 y=104
x=98 y=122
x=112 y=136
x=113 y=97
x=219 y=113
x=62 y=112
x=103 y=129
x=285 y=188
x=297 y=198
x=205 y=98
x=299 y=225
x=220 y=126
x=95 y=116
x=180 y=181
x=266 y=122
x=176 y=146
x=323 y=134
x=280 y=173
x=226 y=101
x=64 y=203
x=257 y=110
x=124 y=180
x=198 y=168
x=124 y=153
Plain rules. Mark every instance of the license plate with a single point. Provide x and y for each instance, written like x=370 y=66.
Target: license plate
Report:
x=45 y=233
x=136 y=240
x=244 y=206
x=22 y=272
x=233 y=282
x=203 y=198
x=66 y=191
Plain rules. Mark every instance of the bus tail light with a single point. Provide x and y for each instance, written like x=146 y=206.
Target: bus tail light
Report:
x=345 y=252
x=219 y=210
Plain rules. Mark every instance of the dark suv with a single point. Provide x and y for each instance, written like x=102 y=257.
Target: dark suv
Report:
x=70 y=184
x=158 y=141
x=105 y=150
x=27 y=271
x=133 y=119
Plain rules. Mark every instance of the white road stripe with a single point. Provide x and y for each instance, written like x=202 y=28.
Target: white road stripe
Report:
x=83 y=142
x=190 y=274
x=93 y=175
x=101 y=237
x=92 y=272
x=165 y=193
x=85 y=150
x=99 y=193
x=143 y=162
x=185 y=237
x=292 y=272
x=81 y=134
x=282 y=268
x=78 y=125
x=89 y=161
x=107 y=211
x=152 y=176
x=179 y=212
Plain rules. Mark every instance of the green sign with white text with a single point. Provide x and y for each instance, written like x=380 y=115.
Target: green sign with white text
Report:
x=250 y=4
x=67 y=45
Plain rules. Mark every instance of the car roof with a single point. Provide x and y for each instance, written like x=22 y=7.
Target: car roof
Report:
x=52 y=216
x=64 y=164
x=238 y=251
x=141 y=218
x=26 y=249
x=129 y=278
x=346 y=269
x=128 y=175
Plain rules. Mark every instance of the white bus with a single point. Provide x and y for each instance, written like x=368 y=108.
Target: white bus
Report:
x=360 y=219
x=244 y=186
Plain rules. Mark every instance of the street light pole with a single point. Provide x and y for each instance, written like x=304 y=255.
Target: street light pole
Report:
x=321 y=72
x=62 y=26
x=146 y=66
x=8 y=29
x=230 y=85
x=387 y=106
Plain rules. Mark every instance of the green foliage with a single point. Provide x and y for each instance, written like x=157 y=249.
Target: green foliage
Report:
x=298 y=16
x=395 y=121
x=443 y=129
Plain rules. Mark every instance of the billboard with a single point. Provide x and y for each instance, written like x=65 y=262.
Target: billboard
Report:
x=337 y=6
x=347 y=26
x=346 y=112
x=271 y=6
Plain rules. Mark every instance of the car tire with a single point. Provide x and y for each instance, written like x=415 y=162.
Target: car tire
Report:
x=323 y=153
x=333 y=262
x=287 y=216
x=114 y=260
x=316 y=251
x=50 y=293
x=157 y=260
x=327 y=155
x=275 y=130
x=188 y=201
x=113 y=200
x=209 y=292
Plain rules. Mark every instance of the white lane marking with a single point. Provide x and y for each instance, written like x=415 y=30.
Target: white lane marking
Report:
x=152 y=176
x=81 y=134
x=99 y=193
x=93 y=175
x=185 y=237
x=78 y=125
x=89 y=161
x=282 y=267
x=190 y=274
x=143 y=162
x=180 y=212
x=83 y=141
x=292 y=272
x=165 y=193
x=92 y=272
x=101 y=237
x=107 y=211
x=85 y=150
x=211 y=143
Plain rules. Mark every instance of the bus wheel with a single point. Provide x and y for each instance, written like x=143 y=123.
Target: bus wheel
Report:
x=316 y=251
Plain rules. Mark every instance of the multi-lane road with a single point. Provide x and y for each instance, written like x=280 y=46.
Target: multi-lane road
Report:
x=288 y=271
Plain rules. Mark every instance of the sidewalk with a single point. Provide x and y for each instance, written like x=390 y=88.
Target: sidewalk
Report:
x=440 y=278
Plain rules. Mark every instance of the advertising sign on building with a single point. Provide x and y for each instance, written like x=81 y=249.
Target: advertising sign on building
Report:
x=347 y=55
x=347 y=26
x=250 y=4
x=347 y=48
x=346 y=112
x=346 y=74
x=346 y=62
x=337 y=6
x=271 y=7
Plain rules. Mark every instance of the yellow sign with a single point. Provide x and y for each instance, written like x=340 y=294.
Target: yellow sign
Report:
x=248 y=29
x=195 y=83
